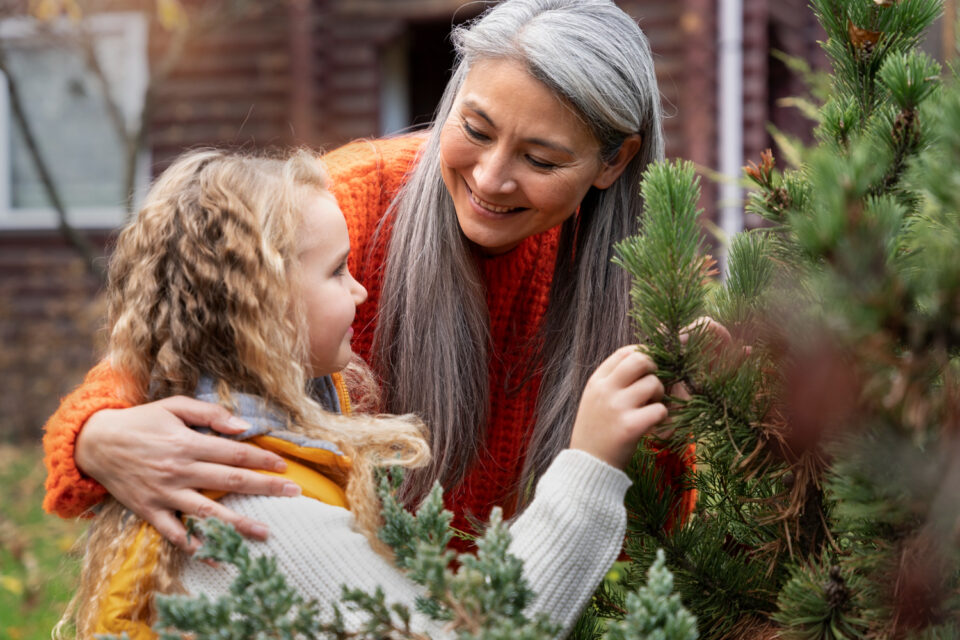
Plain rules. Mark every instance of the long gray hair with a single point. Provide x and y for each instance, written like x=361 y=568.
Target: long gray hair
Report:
x=433 y=317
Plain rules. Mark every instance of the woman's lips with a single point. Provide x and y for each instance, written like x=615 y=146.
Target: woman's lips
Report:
x=489 y=207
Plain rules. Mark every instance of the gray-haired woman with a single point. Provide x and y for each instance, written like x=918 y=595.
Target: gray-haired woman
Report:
x=485 y=247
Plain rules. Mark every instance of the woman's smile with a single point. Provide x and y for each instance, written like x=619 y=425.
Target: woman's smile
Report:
x=484 y=208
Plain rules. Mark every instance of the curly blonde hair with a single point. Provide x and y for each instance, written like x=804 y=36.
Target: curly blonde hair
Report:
x=203 y=283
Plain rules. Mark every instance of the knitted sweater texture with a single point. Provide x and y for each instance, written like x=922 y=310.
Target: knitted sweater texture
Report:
x=365 y=177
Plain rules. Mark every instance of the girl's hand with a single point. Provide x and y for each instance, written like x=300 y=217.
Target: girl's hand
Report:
x=151 y=462
x=620 y=403
x=718 y=339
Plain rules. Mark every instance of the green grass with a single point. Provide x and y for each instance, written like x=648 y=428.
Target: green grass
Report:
x=38 y=571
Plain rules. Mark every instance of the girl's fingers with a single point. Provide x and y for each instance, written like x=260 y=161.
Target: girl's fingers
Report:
x=197 y=413
x=719 y=331
x=234 y=454
x=646 y=389
x=645 y=418
x=607 y=366
x=680 y=391
x=631 y=368
x=709 y=325
x=218 y=477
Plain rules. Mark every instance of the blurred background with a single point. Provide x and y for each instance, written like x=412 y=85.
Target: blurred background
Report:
x=97 y=97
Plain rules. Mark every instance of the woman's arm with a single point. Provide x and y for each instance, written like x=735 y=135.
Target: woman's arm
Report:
x=70 y=492
x=567 y=539
x=148 y=459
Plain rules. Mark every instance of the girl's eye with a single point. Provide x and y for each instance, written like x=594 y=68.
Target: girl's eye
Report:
x=341 y=269
x=473 y=133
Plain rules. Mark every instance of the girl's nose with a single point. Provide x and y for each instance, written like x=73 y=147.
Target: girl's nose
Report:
x=492 y=173
x=359 y=291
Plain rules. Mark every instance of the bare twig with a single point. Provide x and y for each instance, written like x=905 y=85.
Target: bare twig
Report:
x=80 y=242
x=84 y=42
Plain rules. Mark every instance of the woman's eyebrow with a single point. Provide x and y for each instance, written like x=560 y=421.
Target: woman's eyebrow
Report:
x=473 y=106
x=540 y=142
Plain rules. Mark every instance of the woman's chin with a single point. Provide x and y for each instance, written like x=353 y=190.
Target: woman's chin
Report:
x=491 y=242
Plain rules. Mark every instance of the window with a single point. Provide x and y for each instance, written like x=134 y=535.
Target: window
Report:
x=415 y=69
x=66 y=110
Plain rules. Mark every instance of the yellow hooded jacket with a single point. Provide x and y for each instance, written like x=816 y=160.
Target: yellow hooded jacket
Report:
x=120 y=612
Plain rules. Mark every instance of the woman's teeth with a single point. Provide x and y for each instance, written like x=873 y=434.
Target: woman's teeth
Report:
x=492 y=207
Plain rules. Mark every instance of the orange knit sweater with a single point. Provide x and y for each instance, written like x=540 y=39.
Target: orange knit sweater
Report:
x=365 y=177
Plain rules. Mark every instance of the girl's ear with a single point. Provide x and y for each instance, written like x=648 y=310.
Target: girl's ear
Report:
x=612 y=170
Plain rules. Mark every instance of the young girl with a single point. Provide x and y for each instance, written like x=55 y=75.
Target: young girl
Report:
x=231 y=286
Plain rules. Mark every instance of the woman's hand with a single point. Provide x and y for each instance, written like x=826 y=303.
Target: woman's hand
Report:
x=620 y=403
x=150 y=461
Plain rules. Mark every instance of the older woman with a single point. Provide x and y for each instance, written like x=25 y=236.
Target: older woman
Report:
x=485 y=247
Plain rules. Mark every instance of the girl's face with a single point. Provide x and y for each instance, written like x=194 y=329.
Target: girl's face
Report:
x=329 y=293
x=515 y=158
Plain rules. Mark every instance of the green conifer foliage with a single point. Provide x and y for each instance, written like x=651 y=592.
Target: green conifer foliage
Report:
x=828 y=455
x=654 y=612
x=484 y=599
x=827 y=431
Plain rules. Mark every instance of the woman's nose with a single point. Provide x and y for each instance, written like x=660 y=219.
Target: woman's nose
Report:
x=492 y=173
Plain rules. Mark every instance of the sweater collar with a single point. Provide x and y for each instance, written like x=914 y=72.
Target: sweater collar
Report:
x=267 y=420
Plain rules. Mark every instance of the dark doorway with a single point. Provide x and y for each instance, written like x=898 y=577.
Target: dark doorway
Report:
x=430 y=61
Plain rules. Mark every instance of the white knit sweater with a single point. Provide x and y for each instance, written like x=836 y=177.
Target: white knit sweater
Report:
x=567 y=539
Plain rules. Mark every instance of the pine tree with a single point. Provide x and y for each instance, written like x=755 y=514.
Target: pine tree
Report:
x=827 y=431
x=828 y=456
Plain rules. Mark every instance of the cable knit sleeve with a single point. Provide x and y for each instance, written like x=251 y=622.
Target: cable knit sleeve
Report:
x=567 y=539
x=69 y=492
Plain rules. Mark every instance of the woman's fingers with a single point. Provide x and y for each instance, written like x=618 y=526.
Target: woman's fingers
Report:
x=201 y=507
x=194 y=504
x=223 y=451
x=150 y=462
x=679 y=391
x=170 y=527
x=217 y=477
x=197 y=413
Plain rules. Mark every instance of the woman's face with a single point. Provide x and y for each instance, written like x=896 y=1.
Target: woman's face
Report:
x=515 y=158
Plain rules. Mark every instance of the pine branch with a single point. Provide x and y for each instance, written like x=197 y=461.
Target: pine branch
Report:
x=667 y=266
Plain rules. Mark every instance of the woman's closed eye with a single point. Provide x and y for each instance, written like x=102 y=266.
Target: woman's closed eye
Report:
x=474 y=133
x=541 y=164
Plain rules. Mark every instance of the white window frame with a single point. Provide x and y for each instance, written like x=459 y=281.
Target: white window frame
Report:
x=133 y=28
